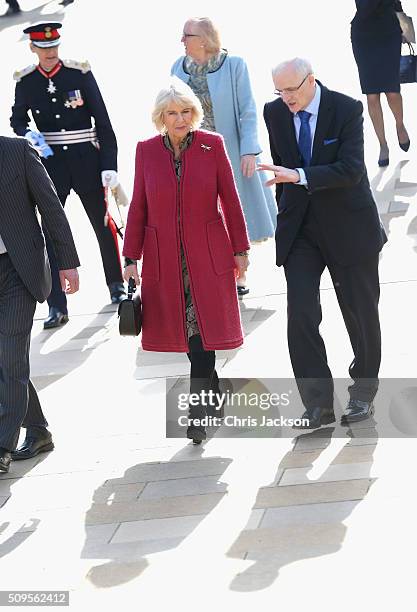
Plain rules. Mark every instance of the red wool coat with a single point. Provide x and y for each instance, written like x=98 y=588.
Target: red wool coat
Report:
x=161 y=217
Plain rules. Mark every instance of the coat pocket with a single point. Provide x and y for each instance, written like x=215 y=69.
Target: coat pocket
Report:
x=150 y=268
x=220 y=248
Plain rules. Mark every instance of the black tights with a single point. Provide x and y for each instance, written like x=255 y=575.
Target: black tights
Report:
x=203 y=375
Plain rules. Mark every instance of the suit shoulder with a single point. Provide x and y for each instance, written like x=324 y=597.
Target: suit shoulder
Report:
x=273 y=106
x=345 y=100
x=18 y=75
x=83 y=66
x=13 y=142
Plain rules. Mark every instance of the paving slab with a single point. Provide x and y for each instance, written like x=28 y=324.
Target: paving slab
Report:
x=312 y=493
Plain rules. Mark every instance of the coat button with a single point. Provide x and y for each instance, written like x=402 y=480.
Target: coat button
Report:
x=37 y=111
x=57 y=116
x=65 y=147
x=63 y=130
x=53 y=99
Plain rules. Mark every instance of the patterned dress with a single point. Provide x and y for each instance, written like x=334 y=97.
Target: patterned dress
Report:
x=190 y=316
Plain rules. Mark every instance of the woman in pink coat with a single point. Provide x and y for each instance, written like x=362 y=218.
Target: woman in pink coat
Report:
x=186 y=221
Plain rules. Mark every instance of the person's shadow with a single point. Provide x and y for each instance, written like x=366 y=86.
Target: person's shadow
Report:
x=31 y=16
x=78 y=356
x=304 y=518
x=123 y=524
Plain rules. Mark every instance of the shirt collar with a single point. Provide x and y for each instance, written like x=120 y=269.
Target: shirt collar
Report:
x=313 y=107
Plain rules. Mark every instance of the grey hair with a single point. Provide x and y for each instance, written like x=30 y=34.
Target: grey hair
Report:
x=180 y=93
x=300 y=65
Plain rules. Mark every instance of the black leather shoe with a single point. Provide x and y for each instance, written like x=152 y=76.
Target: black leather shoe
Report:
x=5 y=458
x=196 y=433
x=356 y=410
x=32 y=445
x=56 y=318
x=11 y=11
x=316 y=417
x=117 y=292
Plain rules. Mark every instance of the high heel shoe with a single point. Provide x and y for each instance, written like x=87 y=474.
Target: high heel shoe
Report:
x=404 y=145
x=382 y=163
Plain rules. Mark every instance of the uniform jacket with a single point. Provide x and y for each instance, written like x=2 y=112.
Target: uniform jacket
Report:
x=162 y=216
x=235 y=117
x=52 y=112
x=338 y=190
x=25 y=189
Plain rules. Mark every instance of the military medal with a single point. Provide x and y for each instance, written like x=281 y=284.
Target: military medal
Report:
x=51 y=87
x=205 y=147
x=74 y=99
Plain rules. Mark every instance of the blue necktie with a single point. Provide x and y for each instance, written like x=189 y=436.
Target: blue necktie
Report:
x=304 y=137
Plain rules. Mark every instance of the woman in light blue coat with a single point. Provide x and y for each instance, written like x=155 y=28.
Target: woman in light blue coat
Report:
x=222 y=84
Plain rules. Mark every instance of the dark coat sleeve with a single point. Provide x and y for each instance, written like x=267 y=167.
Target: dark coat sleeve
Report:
x=19 y=119
x=276 y=159
x=53 y=216
x=349 y=168
x=105 y=133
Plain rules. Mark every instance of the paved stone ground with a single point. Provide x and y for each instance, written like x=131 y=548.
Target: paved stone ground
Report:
x=118 y=513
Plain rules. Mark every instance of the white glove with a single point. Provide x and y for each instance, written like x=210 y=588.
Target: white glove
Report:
x=109 y=178
x=32 y=136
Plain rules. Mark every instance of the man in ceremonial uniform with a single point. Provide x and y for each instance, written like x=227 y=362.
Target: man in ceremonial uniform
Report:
x=63 y=98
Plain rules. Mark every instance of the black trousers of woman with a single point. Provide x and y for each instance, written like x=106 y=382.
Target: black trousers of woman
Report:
x=203 y=377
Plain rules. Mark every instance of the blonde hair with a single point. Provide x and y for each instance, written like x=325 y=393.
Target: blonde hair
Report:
x=209 y=33
x=180 y=93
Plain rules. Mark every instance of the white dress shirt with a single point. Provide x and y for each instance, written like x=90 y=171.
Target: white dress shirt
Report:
x=2 y=247
x=312 y=108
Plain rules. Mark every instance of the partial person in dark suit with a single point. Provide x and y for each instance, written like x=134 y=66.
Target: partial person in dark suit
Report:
x=327 y=217
x=376 y=43
x=25 y=278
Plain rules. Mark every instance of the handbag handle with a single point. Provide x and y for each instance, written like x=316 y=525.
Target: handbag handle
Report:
x=131 y=288
x=411 y=48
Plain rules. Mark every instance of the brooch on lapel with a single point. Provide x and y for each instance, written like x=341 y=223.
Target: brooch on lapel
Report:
x=205 y=147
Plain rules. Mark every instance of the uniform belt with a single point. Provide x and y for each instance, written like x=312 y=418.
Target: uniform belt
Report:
x=71 y=137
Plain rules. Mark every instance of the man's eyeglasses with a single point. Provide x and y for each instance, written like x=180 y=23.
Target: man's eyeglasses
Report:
x=185 y=35
x=289 y=90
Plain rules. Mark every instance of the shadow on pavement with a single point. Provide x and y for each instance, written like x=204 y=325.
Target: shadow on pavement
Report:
x=297 y=527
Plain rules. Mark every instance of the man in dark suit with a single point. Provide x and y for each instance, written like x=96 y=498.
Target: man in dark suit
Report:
x=25 y=278
x=327 y=217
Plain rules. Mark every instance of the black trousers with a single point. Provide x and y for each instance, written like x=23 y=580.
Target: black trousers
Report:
x=203 y=375
x=19 y=402
x=357 y=291
x=78 y=168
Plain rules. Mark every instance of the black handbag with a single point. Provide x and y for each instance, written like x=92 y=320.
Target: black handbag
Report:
x=408 y=67
x=130 y=312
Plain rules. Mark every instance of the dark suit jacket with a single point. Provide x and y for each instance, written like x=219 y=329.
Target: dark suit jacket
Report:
x=25 y=187
x=338 y=191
